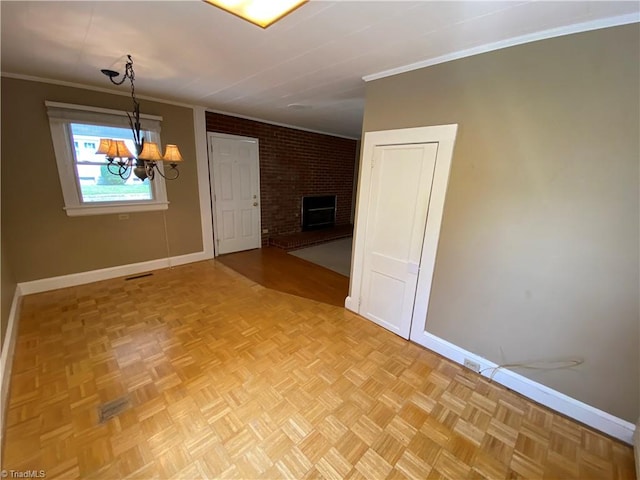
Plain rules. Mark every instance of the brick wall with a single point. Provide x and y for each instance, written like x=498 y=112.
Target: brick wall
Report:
x=294 y=163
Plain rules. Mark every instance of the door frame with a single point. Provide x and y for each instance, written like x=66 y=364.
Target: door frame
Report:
x=445 y=136
x=210 y=137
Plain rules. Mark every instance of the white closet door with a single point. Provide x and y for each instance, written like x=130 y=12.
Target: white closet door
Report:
x=401 y=179
x=401 y=191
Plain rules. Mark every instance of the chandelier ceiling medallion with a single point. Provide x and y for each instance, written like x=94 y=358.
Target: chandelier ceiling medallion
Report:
x=145 y=163
x=259 y=12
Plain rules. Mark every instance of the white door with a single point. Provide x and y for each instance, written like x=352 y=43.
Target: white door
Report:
x=401 y=179
x=235 y=178
x=398 y=218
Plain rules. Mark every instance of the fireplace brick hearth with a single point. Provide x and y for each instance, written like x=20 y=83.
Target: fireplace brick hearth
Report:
x=294 y=241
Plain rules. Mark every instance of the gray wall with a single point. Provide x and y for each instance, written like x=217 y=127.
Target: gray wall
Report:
x=538 y=254
x=39 y=238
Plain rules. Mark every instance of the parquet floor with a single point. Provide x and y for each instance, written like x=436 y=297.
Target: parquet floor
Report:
x=228 y=379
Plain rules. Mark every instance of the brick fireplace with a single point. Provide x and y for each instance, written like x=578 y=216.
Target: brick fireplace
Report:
x=295 y=164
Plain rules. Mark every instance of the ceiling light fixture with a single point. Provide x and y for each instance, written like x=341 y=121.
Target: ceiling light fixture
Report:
x=147 y=153
x=259 y=12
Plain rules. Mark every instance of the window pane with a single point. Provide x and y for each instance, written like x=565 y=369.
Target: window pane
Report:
x=97 y=184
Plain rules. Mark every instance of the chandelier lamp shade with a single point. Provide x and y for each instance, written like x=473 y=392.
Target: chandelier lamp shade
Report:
x=145 y=162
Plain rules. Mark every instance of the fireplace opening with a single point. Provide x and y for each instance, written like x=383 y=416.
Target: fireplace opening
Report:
x=318 y=211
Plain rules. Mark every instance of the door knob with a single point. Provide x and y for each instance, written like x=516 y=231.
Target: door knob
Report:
x=255 y=204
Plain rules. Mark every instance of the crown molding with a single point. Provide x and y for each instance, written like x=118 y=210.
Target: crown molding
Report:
x=510 y=42
x=278 y=124
x=31 y=78
x=63 y=83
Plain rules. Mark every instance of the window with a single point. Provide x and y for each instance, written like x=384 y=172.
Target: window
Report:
x=88 y=187
x=96 y=182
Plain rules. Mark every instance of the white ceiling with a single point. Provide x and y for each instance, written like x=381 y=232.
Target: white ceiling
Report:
x=313 y=59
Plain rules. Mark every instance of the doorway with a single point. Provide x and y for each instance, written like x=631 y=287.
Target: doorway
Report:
x=234 y=170
x=401 y=191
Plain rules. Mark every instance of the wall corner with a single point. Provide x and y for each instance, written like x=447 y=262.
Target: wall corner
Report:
x=202 y=164
x=636 y=447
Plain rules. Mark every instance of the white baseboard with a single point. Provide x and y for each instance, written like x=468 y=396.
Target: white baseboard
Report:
x=53 y=283
x=351 y=304
x=591 y=416
x=6 y=358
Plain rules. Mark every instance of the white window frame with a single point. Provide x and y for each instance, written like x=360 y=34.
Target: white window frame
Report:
x=61 y=116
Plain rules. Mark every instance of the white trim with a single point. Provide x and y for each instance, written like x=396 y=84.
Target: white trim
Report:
x=61 y=138
x=445 y=136
x=108 y=111
x=278 y=124
x=591 y=416
x=212 y=196
x=88 y=209
x=510 y=42
x=210 y=136
x=71 y=280
x=432 y=229
x=233 y=137
x=6 y=359
x=204 y=189
x=63 y=83
x=350 y=303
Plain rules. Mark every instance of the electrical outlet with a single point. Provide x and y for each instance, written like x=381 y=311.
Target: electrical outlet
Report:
x=471 y=365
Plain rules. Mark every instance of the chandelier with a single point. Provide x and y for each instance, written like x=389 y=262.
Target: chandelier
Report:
x=144 y=164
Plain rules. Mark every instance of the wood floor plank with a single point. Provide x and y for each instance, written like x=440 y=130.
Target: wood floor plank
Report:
x=274 y=268
x=224 y=377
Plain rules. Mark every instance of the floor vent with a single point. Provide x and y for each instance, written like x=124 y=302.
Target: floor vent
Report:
x=139 y=276
x=111 y=409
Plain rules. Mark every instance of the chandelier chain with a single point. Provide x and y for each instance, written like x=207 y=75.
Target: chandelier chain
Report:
x=132 y=76
x=142 y=167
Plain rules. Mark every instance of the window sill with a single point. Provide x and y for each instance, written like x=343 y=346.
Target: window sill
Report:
x=86 y=210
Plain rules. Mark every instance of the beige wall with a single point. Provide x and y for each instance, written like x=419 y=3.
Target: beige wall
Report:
x=7 y=291
x=538 y=255
x=41 y=240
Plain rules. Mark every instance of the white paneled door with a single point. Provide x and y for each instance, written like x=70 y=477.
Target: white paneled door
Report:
x=401 y=178
x=235 y=178
x=401 y=192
